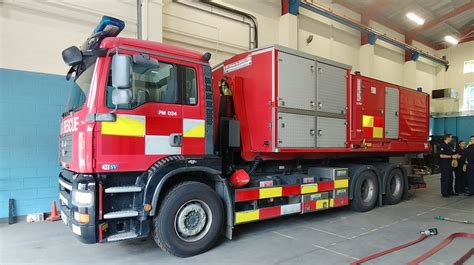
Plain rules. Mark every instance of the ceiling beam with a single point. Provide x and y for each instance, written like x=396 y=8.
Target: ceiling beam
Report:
x=435 y=22
x=382 y=21
x=466 y=35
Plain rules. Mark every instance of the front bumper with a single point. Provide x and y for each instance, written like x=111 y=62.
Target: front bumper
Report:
x=68 y=182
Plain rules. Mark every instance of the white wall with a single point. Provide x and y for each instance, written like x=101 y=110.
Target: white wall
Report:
x=35 y=32
x=455 y=77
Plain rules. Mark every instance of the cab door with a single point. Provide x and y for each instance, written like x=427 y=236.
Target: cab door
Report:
x=193 y=103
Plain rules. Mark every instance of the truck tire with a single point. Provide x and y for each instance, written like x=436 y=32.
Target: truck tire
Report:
x=366 y=192
x=394 y=187
x=189 y=220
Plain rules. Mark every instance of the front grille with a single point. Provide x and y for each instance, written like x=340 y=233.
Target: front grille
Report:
x=65 y=148
x=65 y=192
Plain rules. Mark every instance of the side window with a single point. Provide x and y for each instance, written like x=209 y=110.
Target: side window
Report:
x=190 y=88
x=168 y=83
x=155 y=85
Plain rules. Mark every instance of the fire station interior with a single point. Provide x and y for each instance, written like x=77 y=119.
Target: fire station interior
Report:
x=237 y=131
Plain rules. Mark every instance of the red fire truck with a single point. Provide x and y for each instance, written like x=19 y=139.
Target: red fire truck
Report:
x=154 y=142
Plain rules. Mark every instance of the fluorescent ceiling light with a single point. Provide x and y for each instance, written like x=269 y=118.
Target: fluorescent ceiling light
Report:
x=451 y=39
x=418 y=20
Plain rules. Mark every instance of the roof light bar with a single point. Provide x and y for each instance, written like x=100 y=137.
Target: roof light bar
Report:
x=415 y=18
x=451 y=39
x=111 y=27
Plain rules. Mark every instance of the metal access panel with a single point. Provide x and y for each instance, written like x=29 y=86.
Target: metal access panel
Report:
x=391 y=112
x=331 y=132
x=331 y=88
x=295 y=130
x=296 y=82
x=328 y=173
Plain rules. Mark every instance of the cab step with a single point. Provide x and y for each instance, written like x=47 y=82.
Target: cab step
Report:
x=121 y=214
x=122 y=236
x=124 y=189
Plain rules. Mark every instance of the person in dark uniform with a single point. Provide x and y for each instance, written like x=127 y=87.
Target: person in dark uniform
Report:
x=446 y=155
x=459 y=174
x=469 y=153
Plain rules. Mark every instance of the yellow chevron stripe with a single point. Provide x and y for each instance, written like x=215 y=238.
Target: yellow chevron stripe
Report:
x=247 y=216
x=270 y=192
x=125 y=125
x=197 y=131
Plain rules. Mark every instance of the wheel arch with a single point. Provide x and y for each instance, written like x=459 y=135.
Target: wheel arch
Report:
x=163 y=176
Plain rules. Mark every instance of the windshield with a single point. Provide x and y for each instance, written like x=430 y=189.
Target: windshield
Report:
x=79 y=90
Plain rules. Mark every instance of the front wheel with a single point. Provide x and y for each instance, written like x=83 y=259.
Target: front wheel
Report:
x=366 y=192
x=189 y=220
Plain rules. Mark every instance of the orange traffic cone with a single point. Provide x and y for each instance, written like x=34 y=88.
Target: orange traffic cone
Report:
x=54 y=216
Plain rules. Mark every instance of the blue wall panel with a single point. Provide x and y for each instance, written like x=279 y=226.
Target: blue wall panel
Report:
x=30 y=111
x=465 y=127
x=462 y=127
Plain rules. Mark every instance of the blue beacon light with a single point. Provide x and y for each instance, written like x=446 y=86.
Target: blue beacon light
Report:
x=111 y=27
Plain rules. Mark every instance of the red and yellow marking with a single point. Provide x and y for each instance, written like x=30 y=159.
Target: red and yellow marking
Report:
x=274 y=192
x=250 y=194
x=373 y=126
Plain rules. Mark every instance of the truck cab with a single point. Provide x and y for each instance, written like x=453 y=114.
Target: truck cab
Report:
x=132 y=103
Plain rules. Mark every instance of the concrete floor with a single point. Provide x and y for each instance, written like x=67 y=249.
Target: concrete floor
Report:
x=336 y=236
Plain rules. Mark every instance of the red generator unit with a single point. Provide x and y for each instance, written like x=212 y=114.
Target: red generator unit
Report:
x=295 y=105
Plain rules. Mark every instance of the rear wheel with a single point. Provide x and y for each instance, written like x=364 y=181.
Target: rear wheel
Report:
x=394 y=187
x=366 y=192
x=189 y=220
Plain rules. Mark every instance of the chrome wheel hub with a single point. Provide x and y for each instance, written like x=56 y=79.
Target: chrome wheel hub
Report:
x=193 y=220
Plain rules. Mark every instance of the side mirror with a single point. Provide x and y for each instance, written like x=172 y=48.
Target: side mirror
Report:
x=121 y=96
x=72 y=56
x=121 y=71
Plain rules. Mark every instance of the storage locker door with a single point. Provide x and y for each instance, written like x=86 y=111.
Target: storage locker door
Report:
x=296 y=130
x=331 y=132
x=331 y=89
x=391 y=112
x=296 y=82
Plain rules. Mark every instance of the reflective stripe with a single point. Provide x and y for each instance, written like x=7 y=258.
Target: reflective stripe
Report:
x=65 y=185
x=309 y=188
x=322 y=204
x=270 y=192
x=377 y=132
x=125 y=125
x=341 y=183
x=367 y=121
x=160 y=145
x=247 y=216
x=193 y=128
x=290 y=208
x=63 y=199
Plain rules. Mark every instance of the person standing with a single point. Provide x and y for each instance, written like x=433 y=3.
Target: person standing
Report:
x=469 y=153
x=446 y=155
x=459 y=174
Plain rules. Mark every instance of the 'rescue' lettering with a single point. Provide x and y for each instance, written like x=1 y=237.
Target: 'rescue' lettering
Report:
x=70 y=125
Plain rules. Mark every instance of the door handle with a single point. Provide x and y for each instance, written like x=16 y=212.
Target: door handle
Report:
x=176 y=139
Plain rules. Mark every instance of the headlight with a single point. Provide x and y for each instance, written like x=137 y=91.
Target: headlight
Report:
x=82 y=197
